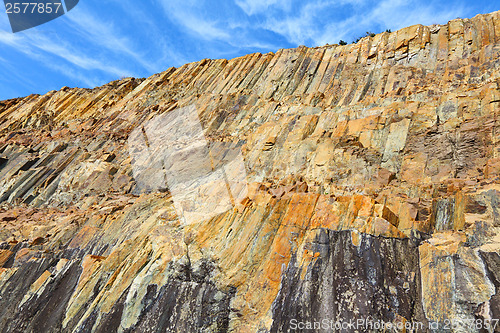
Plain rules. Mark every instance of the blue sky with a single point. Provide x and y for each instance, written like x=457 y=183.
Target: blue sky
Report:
x=101 y=41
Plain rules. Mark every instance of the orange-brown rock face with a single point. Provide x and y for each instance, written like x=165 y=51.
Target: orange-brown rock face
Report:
x=373 y=175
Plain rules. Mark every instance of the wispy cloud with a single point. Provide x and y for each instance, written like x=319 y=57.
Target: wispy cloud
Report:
x=186 y=14
x=10 y=73
x=301 y=27
x=399 y=13
x=74 y=56
x=78 y=75
x=10 y=39
x=251 y=7
x=53 y=53
x=167 y=54
x=235 y=33
x=102 y=33
x=312 y=25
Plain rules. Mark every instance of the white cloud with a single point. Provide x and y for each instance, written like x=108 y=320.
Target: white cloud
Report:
x=47 y=51
x=186 y=14
x=103 y=33
x=9 y=73
x=302 y=26
x=76 y=57
x=9 y=38
x=400 y=14
x=76 y=74
x=235 y=33
x=251 y=7
x=168 y=55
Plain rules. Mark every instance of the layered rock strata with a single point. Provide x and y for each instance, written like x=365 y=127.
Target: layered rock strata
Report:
x=373 y=175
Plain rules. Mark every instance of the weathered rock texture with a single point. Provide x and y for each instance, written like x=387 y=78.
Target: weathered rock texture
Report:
x=373 y=171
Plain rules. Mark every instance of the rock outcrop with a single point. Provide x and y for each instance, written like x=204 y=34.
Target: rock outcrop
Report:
x=373 y=194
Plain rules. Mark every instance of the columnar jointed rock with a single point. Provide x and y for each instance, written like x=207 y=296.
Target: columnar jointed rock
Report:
x=374 y=190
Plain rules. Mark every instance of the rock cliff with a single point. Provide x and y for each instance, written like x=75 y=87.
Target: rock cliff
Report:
x=373 y=194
